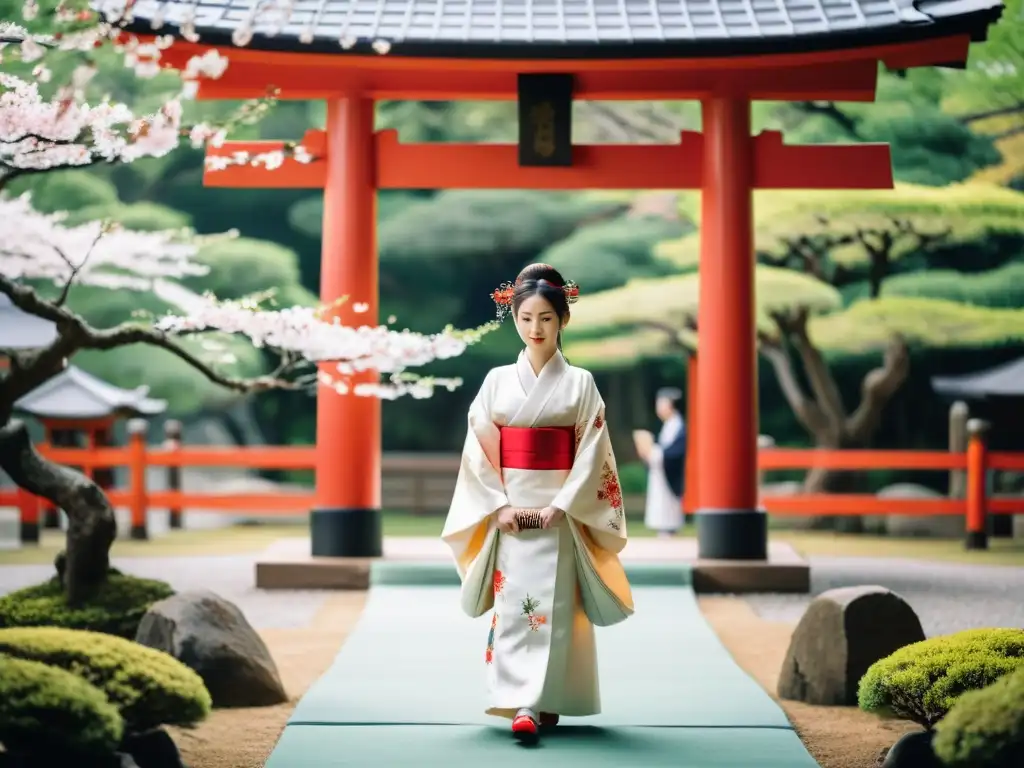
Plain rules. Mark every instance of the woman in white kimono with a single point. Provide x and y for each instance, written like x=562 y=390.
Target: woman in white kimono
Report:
x=536 y=521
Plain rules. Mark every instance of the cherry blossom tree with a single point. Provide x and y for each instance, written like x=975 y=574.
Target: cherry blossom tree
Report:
x=40 y=133
x=41 y=258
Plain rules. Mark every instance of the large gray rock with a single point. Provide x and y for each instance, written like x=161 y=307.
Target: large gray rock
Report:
x=210 y=635
x=925 y=526
x=842 y=633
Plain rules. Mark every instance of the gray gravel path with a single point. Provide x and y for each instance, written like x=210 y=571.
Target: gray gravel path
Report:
x=947 y=597
x=232 y=577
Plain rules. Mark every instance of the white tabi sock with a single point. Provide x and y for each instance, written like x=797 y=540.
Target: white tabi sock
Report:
x=528 y=712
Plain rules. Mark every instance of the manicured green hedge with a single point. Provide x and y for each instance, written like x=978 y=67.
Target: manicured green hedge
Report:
x=116 y=609
x=45 y=710
x=985 y=729
x=148 y=687
x=922 y=681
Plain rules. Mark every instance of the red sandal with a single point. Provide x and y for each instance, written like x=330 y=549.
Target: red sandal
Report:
x=524 y=728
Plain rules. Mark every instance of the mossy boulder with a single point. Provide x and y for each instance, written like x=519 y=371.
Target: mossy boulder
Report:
x=985 y=729
x=148 y=687
x=922 y=681
x=116 y=609
x=45 y=710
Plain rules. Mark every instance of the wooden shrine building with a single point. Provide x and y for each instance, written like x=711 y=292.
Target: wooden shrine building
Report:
x=79 y=410
x=996 y=395
x=74 y=408
x=723 y=53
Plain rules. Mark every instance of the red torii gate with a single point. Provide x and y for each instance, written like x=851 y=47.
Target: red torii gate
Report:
x=806 y=61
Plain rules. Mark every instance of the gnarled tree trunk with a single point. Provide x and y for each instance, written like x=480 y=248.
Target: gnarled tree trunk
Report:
x=822 y=412
x=92 y=526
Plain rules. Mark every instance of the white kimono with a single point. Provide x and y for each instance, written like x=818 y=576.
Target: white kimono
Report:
x=663 y=510
x=547 y=588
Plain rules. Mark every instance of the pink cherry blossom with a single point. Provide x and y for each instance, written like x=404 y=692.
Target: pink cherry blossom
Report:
x=40 y=133
x=37 y=246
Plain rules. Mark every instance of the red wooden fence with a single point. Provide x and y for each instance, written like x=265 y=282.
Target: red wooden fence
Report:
x=977 y=461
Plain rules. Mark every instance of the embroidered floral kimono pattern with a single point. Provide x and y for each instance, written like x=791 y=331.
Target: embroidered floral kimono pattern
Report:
x=547 y=588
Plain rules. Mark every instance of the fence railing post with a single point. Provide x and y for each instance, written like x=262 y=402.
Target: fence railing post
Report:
x=172 y=443
x=977 y=496
x=137 y=501
x=764 y=443
x=28 y=516
x=959 y=415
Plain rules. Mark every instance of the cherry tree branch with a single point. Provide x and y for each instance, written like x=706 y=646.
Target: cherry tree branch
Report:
x=75 y=334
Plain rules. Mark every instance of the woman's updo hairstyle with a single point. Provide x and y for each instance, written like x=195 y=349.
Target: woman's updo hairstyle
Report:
x=547 y=282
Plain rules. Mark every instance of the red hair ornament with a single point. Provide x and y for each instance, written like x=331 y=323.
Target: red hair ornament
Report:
x=502 y=296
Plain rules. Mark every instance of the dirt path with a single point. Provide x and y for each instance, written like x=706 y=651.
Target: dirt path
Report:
x=837 y=737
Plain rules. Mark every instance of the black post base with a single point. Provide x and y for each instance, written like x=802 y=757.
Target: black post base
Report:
x=732 y=534
x=139 y=533
x=976 y=540
x=29 y=533
x=174 y=520
x=346 y=533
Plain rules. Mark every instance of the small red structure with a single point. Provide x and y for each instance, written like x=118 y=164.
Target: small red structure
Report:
x=546 y=56
x=70 y=405
x=77 y=409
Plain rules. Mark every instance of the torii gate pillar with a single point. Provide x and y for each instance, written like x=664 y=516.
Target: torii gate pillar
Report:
x=729 y=525
x=346 y=520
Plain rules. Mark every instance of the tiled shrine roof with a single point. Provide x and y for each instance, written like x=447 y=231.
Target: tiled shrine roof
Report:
x=76 y=395
x=1005 y=380
x=20 y=330
x=566 y=28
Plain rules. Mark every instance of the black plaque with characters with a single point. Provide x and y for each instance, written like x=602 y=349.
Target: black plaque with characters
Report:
x=545 y=120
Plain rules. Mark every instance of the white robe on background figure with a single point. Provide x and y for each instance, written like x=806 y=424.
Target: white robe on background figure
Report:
x=663 y=509
x=546 y=588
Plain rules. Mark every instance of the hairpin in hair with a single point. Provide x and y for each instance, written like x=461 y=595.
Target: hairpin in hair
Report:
x=502 y=296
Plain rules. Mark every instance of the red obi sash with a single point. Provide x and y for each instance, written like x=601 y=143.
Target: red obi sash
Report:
x=537 y=447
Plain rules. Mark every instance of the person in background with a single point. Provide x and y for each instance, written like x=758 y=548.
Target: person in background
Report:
x=665 y=459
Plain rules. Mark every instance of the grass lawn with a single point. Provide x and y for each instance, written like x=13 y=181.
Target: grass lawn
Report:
x=251 y=539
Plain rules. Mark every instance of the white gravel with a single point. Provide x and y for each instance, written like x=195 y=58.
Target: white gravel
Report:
x=947 y=597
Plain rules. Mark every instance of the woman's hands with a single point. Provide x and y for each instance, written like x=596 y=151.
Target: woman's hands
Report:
x=507 y=522
x=549 y=517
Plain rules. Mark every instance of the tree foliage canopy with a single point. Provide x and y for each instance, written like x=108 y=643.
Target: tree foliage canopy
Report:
x=1001 y=287
x=844 y=224
x=607 y=254
x=920 y=321
x=243 y=267
x=672 y=302
x=647 y=319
